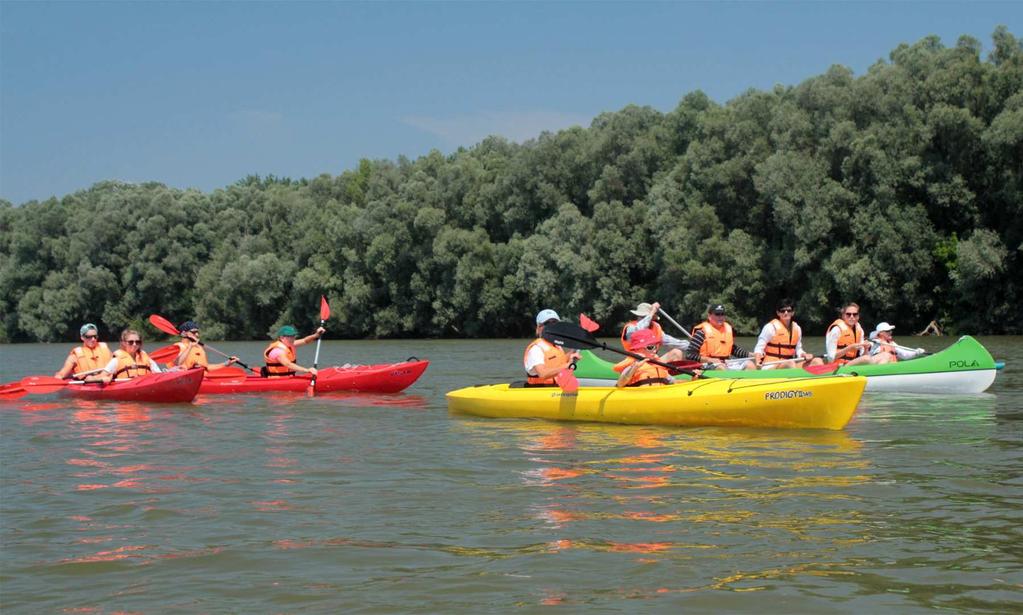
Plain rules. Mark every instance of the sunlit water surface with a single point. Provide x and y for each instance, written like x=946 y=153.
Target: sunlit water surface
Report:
x=387 y=503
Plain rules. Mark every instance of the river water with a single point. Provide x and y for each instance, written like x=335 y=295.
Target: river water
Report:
x=379 y=504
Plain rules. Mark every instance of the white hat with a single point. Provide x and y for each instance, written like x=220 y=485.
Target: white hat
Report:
x=546 y=315
x=883 y=327
x=643 y=309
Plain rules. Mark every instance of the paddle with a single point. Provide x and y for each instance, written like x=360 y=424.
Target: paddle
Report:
x=571 y=335
x=673 y=321
x=877 y=342
x=33 y=384
x=165 y=354
x=167 y=327
x=324 y=315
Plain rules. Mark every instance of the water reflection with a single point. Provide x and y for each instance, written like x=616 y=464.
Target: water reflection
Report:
x=660 y=495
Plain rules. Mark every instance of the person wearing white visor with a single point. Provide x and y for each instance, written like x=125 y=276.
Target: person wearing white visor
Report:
x=885 y=350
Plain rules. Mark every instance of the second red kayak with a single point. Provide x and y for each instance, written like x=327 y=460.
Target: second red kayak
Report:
x=380 y=378
x=166 y=387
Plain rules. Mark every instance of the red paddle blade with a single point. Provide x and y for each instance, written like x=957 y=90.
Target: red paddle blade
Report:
x=12 y=390
x=163 y=324
x=42 y=384
x=586 y=323
x=567 y=381
x=167 y=353
x=324 y=308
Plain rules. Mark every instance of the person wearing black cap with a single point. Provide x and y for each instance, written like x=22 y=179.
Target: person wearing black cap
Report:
x=713 y=341
x=191 y=353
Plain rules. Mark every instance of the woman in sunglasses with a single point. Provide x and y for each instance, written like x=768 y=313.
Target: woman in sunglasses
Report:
x=781 y=341
x=128 y=361
x=640 y=372
x=88 y=358
x=844 y=341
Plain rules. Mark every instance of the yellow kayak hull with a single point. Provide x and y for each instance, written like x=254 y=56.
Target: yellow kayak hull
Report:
x=811 y=403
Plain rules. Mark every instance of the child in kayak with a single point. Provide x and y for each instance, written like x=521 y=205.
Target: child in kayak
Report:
x=190 y=350
x=640 y=372
x=280 y=354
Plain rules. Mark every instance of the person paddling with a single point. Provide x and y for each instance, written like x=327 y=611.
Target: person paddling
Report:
x=648 y=313
x=280 y=354
x=844 y=341
x=886 y=350
x=781 y=341
x=91 y=356
x=128 y=361
x=714 y=341
x=542 y=359
x=640 y=372
x=191 y=353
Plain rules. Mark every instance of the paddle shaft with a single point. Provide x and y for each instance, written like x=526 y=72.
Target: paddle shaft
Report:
x=595 y=344
x=674 y=322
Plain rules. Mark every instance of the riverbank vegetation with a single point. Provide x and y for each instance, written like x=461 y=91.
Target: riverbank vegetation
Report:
x=900 y=189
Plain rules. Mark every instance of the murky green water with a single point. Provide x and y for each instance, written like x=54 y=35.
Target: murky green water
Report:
x=389 y=504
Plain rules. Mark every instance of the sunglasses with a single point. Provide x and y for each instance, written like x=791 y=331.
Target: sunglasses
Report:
x=133 y=342
x=89 y=337
x=785 y=311
x=852 y=313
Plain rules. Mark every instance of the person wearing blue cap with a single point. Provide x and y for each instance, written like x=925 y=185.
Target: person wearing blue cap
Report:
x=191 y=353
x=280 y=354
x=542 y=359
x=88 y=358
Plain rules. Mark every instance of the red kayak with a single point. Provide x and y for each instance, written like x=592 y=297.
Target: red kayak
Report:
x=166 y=387
x=380 y=378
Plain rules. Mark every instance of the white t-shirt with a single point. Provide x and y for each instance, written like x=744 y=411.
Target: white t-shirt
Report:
x=112 y=366
x=831 y=343
x=534 y=357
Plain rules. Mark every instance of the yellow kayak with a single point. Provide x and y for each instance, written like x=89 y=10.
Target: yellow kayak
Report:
x=810 y=403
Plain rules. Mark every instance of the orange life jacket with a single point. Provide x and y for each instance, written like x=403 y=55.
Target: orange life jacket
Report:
x=716 y=343
x=552 y=355
x=274 y=369
x=646 y=374
x=783 y=344
x=128 y=365
x=197 y=356
x=87 y=359
x=654 y=326
x=889 y=348
x=847 y=337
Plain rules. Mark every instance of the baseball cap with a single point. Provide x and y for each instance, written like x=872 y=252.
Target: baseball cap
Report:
x=287 y=330
x=546 y=315
x=884 y=327
x=717 y=308
x=86 y=328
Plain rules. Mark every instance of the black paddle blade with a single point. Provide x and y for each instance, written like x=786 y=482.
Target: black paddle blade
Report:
x=569 y=335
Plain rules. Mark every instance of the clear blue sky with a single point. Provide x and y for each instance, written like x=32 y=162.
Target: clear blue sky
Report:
x=202 y=94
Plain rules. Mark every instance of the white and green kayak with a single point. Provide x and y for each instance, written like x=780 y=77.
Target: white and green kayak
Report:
x=962 y=368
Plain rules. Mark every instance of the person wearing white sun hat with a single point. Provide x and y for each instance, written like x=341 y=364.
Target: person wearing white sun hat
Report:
x=885 y=349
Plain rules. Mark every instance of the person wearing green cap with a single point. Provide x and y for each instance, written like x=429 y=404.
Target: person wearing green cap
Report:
x=90 y=357
x=280 y=354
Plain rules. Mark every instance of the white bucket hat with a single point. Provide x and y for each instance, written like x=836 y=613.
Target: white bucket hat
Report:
x=643 y=309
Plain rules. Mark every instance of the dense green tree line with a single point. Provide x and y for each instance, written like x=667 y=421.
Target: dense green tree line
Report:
x=900 y=189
